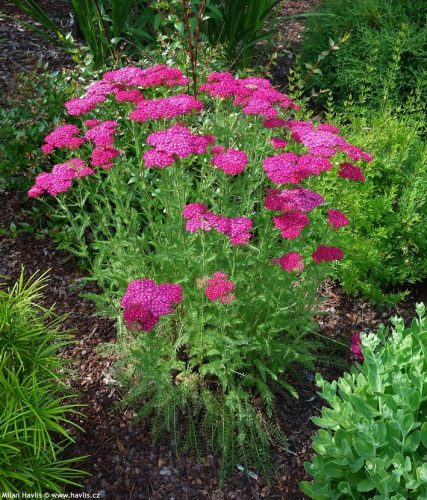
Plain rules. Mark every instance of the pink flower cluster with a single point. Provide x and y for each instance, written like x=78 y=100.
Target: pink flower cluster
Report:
x=145 y=302
x=80 y=106
x=102 y=156
x=176 y=141
x=298 y=199
x=349 y=171
x=278 y=142
x=356 y=348
x=231 y=161
x=291 y=224
x=324 y=140
x=289 y=168
x=219 y=289
x=274 y=122
x=337 y=219
x=165 y=107
x=236 y=228
x=325 y=253
x=60 y=179
x=62 y=137
x=256 y=95
x=132 y=95
x=155 y=76
x=102 y=133
x=117 y=82
x=291 y=261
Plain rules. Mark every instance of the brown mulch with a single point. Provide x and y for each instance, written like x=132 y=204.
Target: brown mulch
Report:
x=124 y=463
x=289 y=36
x=21 y=48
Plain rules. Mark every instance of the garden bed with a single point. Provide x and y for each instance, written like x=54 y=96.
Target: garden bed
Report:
x=124 y=462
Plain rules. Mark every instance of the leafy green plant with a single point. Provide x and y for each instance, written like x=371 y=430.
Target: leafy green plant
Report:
x=373 y=437
x=239 y=25
x=104 y=25
x=386 y=242
x=383 y=58
x=25 y=119
x=34 y=400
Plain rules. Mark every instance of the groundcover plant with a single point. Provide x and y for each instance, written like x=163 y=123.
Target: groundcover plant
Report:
x=193 y=217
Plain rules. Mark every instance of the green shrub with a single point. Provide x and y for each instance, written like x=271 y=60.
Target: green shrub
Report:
x=25 y=119
x=386 y=243
x=34 y=400
x=384 y=57
x=373 y=437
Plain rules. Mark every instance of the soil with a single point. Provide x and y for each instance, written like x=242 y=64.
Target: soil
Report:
x=289 y=31
x=124 y=463
x=22 y=51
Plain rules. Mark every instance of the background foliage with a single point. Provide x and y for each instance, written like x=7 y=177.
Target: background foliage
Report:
x=25 y=120
x=373 y=437
x=386 y=242
x=34 y=400
x=384 y=57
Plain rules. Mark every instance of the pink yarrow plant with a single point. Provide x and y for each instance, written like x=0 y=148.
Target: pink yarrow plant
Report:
x=201 y=222
x=166 y=142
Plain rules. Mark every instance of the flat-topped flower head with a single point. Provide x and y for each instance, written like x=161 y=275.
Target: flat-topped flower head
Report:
x=291 y=224
x=291 y=261
x=64 y=136
x=79 y=166
x=219 y=288
x=196 y=215
x=278 y=142
x=81 y=106
x=145 y=302
x=91 y=123
x=324 y=140
x=194 y=210
x=56 y=182
x=60 y=179
x=356 y=347
x=257 y=106
x=217 y=149
x=349 y=171
x=165 y=107
x=256 y=95
x=231 y=162
x=132 y=95
x=274 y=122
x=355 y=153
x=325 y=253
x=102 y=134
x=337 y=219
x=155 y=76
x=179 y=141
x=103 y=88
x=289 y=200
x=129 y=75
x=289 y=168
x=102 y=156
x=158 y=159
x=238 y=229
